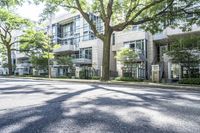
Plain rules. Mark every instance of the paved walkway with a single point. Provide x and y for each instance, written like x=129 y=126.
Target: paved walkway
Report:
x=38 y=106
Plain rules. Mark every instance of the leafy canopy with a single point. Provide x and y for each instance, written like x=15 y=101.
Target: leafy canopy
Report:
x=11 y=20
x=37 y=43
x=64 y=60
x=127 y=56
x=119 y=14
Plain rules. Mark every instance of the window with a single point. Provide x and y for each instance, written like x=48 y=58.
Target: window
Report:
x=77 y=25
x=91 y=36
x=113 y=39
x=85 y=36
x=53 y=30
x=135 y=27
x=86 y=53
x=77 y=38
x=140 y=46
x=137 y=45
x=67 y=30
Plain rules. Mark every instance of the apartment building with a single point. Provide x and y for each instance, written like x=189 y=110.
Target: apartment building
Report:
x=171 y=71
x=77 y=40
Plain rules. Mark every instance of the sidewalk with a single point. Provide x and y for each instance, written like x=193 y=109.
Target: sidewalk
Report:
x=121 y=83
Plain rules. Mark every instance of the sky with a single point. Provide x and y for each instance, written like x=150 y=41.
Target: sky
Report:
x=33 y=12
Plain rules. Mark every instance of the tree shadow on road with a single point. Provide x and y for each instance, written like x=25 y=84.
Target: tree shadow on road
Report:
x=101 y=113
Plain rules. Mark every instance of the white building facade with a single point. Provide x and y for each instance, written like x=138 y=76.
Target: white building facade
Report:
x=77 y=40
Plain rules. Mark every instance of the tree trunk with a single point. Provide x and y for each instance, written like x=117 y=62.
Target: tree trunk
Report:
x=106 y=57
x=189 y=72
x=9 y=60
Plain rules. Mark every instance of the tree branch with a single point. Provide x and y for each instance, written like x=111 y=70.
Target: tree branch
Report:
x=121 y=26
x=110 y=9
x=87 y=18
x=103 y=13
x=131 y=9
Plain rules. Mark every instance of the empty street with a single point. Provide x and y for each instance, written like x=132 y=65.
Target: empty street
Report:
x=40 y=106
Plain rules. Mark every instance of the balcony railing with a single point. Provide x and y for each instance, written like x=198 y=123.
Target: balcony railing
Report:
x=23 y=65
x=67 y=48
x=82 y=59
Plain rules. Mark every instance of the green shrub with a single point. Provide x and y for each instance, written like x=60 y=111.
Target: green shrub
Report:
x=63 y=77
x=195 y=81
x=128 y=79
x=82 y=74
x=96 y=78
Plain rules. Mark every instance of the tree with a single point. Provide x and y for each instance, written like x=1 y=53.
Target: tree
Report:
x=65 y=62
x=10 y=22
x=37 y=44
x=128 y=58
x=185 y=51
x=119 y=14
x=39 y=63
x=10 y=3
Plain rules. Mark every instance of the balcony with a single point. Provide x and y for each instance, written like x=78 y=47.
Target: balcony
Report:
x=21 y=55
x=23 y=65
x=159 y=36
x=82 y=61
x=65 y=48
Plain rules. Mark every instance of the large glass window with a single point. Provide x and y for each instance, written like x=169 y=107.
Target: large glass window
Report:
x=86 y=53
x=137 y=45
x=77 y=24
x=67 y=30
x=85 y=36
x=77 y=38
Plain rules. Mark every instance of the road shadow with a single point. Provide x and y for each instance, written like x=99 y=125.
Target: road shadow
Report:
x=101 y=113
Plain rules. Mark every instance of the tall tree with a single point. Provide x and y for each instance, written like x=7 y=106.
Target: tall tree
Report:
x=10 y=22
x=37 y=44
x=119 y=14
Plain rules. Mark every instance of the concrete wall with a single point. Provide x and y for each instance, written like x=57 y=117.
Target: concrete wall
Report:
x=97 y=51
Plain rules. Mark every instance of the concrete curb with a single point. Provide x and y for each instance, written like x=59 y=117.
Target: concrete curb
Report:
x=119 y=83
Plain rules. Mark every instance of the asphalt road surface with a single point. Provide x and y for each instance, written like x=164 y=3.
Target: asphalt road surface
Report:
x=36 y=106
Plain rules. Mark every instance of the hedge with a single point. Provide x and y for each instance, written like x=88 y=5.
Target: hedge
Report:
x=128 y=79
x=195 y=81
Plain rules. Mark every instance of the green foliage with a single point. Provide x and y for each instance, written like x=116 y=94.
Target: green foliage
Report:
x=82 y=74
x=128 y=79
x=195 y=81
x=96 y=78
x=127 y=56
x=37 y=43
x=153 y=15
x=11 y=21
x=39 y=63
x=185 y=51
x=64 y=77
x=10 y=3
x=64 y=60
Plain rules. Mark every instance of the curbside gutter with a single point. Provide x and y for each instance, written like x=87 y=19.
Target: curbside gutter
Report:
x=118 y=83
